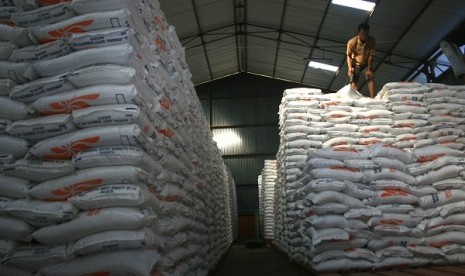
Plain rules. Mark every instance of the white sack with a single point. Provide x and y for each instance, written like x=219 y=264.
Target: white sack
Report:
x=43 y=16
x=119 y=54
x=66 y=102
x=36 y=89
x=17 y=147
x=5 y=86
x=12 y=110
x=81 y=23
x=87 y=179
x=35 y=257
x=116 y=156
x=18 y=35
x=101 y=38
x=93 y=221
x=38 y=171
x=66 y=145
x=127 y=262
x=102 y=74
x=114 y=240
x=15 y=229
x=41 y=127
x=35 y=53
x=41 y=213
x=19 y=72
x=13 y=187
x=115 y=195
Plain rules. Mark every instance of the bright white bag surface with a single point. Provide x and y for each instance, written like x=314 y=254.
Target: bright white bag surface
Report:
x=18 y=72
x=42 y=16
x=35 y=53
x=101 y=38
x=15 y=229
x=87 y=179
x=38 y=171
x=115 y=195
x=41 y=213
x=66 y=102
x=66 y=145
x=36 y=89
x=33 y=258
x=17 y=147
x=79 y=24
x=119 y=54
x=127 y=262
x=115 y=240
x=102 y=74
x=12 y=110
x=13 y=187
x=116 y=156
x=93 y=221
x=41 y=127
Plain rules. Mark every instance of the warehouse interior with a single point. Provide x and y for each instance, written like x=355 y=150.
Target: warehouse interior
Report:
x=243 y=54
x=166 y=169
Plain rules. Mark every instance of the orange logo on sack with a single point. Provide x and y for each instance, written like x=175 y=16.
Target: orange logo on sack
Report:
x=51 y=2
x=93 y=212
x=67 y=31
x=388 y=192
x=161 y=44
x=67 y=106
x=167 y=132
x=74 y=189
x=159 y=22
x=428 y=158
x=67 y=151
x=165 y=103
x=349 y=149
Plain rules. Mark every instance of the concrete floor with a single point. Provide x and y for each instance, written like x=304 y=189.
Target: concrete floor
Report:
x=267 y=261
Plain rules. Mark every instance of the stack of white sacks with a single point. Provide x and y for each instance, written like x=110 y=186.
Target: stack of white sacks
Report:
x=233 y=204
x=267 y=193
x=382 y=184
x=99 y=171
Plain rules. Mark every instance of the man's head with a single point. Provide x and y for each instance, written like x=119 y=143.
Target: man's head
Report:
x=363 y=31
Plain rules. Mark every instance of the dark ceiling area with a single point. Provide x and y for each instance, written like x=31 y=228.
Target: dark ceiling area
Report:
x=277 y=38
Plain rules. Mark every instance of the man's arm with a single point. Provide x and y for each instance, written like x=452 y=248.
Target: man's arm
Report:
x=349 y=52
x=369 y=63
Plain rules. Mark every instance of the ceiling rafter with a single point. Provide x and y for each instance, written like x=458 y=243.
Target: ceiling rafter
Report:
x=281 y=24
x=315 y=40
x=289 y=34
x=410 y=26
x=200 y=34
x=236 y=37
x=225 y=30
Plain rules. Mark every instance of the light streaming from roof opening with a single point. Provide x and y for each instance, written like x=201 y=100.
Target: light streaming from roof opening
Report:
x=323 y=66
x=356 y=4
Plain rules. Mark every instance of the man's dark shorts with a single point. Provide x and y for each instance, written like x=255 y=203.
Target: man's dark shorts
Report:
x=354 y=78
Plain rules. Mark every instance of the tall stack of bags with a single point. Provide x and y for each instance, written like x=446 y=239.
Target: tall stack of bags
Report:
x=382 y=183
x=294 y=123
x=99 y=171
x=266 y=195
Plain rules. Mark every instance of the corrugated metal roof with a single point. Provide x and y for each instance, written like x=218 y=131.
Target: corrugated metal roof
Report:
x=276 y=38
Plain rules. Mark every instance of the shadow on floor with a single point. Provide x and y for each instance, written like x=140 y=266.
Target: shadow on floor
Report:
x=266 y=261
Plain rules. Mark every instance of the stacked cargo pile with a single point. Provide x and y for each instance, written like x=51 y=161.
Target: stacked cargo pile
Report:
x=294 y=122
x=266 y=195
x=99 y=171
x=233 y=204
x=383 y=184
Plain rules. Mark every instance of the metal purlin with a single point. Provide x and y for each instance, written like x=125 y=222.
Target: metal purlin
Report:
x=200 y=34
